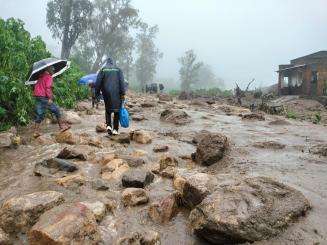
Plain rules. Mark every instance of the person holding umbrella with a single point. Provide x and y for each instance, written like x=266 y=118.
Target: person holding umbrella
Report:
x=110 y=82
x=45 y=70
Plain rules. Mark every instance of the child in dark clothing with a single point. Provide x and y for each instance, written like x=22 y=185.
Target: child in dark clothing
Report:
x=95 y=100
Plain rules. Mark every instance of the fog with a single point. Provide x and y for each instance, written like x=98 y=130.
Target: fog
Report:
x=239 y=39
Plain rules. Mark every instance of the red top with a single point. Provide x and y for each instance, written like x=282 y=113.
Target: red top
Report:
x=43 y=87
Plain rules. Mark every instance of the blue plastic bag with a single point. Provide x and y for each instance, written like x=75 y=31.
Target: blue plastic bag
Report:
x=123 y=116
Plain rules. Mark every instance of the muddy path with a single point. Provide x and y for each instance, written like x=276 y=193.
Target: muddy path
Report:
x=286 y=158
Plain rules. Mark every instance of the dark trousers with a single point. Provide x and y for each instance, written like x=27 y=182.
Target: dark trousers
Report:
x=42 y=105
x=109 y=120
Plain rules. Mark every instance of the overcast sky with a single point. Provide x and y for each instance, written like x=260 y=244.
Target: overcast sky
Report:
x=239 y=39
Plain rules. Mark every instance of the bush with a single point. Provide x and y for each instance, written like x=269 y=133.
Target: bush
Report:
x=291 y=115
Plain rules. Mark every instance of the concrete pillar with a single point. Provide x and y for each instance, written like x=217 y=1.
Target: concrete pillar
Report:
x=307 y=81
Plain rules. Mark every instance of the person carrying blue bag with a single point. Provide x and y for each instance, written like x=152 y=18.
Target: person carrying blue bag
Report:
x=110 y=82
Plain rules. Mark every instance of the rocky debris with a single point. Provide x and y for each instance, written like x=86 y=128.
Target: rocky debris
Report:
x=168 y=172
x=52 y=166
x=279 y=122
x=112 y=165
x=141 y=136
x=193 y=186
x=320 y=150
x=4 y=238
x=122 y=138
x=98 y=209
x=44 y=140
x=134 y=162
x=91 y=141
x=253 y=116
x=148 y=237
x=177 y=117
x=72 y=181
x=269 y=145
x=162 y=212
x=100 y=185
x=167 y=161
x=114 y=170
x=138 y=117
x=20 y=213
x=107 y=158
x=210 y=149
x=165 y=97
x=70 y=153
x=197 y=102
x=66 y=224
x=72 y=117
x=134 y=197
x=5 y=139
x=66 y=137
x=251 y=210
x=83 y=106
x=149 y=104
x=139 y=153
x=185 y=95
x=161 y=148
x=137 y=178
x=101 y=128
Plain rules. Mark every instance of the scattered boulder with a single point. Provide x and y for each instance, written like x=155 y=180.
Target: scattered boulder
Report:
x=70 y=153
x=161 y=148
x=72 y=181
x=198 y=102
x=162 y=212
x=66 y=137
x=141 y=136
x=148 y=237
x=98 y=209
x=107 y=158
x=122 y=138
x=100 y=185
x=4 y=238
x=320 y=150
x=168 y=172
x=134 y=162
x=193 y=186
x=20 y=213
x=251 y=210
x=177 y=117
x=165 y=97
x=101 y=128
x=167 y=161
x=138 y=117
x=115 y=171
x=210 y=149
x=149 y=104
x=269 y=145
x=253 y=116
x=134 y=197
x=137 y=178
x=54 y=165
x=83 y=106
x=44 y=140
x=66 y=224
x=5 y=139
x=139 y=153
x=72 y=117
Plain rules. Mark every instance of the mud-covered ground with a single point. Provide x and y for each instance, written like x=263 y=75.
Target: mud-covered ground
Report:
x=288 y=160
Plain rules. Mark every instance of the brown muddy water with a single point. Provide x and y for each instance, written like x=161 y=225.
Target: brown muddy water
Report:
x=294 y=165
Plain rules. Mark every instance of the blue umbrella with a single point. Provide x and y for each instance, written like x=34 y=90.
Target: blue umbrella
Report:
x=88 y=79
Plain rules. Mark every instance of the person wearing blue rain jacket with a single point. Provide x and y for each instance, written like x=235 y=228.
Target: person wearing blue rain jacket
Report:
x=110 y=82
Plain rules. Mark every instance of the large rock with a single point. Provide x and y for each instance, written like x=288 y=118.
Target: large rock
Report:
x=165 y=97
x=114 y=170
x=211 y=149
x=134 y=162
x=147 y=237
x=163 y=211
x=72 y=181
x=54 y=165
x=134 y=197
x=122 y=138
x=98 y=209
x=167 y=161
x=72 y=117
x=138 y=117
x=193 y=186
x=253 y=116
x=5 y=139
x=137 y=178
x=149 y=104
x=177 y=117
x=70 y=153
x=250 y=210
x=160 y=148
x=320 y=150
x=66 y=137
x=20 y=213
x=65 y=224
x=83 y=106
x=101 y=128
x=141 y=136
x=4 y=238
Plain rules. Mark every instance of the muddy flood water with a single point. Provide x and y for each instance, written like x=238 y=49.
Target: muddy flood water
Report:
x=289 y=161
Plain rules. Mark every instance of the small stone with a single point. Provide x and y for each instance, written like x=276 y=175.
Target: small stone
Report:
x=72 y=181
x=98 y=209
x=60 y=165
x=149 y=104
x=112 y=165
x=101 y=128
x=168 y=172
x=66 y=224
x=134 y=162
x=177 y=117
x=134 y=197
x=70 y=153
x=5 y=139
x=137 y=178
x=168 y=161
x=122 y=138
x=4 y=238
x=139 y=153
x=116 y=174
x=100 y=185
x=72 y=117
x=253 y=116
x=148 y=237
x=269 y=145
x=141 y=137
x=138 y=117
x=66 y=137
x=161 y=148
x=107 y=158
x=20 y=213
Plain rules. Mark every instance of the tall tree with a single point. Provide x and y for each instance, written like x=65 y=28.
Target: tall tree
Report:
x=67 y=20
x=148 y=55
x=189 y=71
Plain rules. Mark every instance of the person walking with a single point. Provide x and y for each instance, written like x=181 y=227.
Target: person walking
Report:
x=110 y=82
x=44 y=101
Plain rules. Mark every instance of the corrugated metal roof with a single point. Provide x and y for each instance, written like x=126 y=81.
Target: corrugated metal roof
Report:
x=291 y=68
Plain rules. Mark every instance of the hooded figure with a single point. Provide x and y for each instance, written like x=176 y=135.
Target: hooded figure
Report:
x=110 y=82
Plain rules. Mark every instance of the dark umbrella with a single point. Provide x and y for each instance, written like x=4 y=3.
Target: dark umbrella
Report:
x=38 y=68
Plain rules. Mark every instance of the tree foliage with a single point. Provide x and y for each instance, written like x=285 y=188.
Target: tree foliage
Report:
x=67 y=20
x=207 y=79
x=18 y=51
x=189 y=71
x=148 y=55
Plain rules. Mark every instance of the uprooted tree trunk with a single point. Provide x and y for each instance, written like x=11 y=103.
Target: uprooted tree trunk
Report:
x=239 y=93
